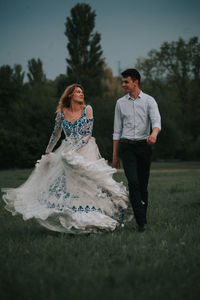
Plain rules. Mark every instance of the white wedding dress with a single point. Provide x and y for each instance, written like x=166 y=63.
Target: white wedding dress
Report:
x=72 y=190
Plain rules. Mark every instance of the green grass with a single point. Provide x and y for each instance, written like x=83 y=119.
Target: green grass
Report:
x=176 y=165
x=161 y=263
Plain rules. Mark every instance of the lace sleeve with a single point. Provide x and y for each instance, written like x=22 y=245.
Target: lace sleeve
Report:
x=55 y=134
x=87 y=129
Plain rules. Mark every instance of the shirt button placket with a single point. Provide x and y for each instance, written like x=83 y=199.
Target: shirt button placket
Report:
x=134 y=119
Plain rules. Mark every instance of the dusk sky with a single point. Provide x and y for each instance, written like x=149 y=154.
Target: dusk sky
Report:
x=129 y=29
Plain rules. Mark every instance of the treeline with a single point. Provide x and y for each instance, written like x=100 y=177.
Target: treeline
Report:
x=171 y=75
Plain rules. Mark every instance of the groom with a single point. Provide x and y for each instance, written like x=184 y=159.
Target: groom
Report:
x=135 y=114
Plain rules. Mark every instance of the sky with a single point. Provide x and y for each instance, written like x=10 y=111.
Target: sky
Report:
x=129 y=30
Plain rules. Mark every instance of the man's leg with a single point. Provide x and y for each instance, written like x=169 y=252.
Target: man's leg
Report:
x=129 y=161
x=144 y=163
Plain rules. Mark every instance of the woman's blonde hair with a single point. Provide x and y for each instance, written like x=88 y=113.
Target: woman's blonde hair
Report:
x=65 y=99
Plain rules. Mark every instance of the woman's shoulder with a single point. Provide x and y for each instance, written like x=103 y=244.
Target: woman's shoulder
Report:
x=88 y=107
x=59 y=114
x=89 y=111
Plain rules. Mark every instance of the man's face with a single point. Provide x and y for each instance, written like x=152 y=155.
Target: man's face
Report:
x=128 y=84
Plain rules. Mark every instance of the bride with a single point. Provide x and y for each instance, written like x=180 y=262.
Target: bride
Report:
x=72 y=190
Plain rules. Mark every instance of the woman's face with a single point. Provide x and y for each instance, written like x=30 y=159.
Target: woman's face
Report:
x=78 y=95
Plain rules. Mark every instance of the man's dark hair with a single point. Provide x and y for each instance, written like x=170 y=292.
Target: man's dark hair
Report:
x=133 y=73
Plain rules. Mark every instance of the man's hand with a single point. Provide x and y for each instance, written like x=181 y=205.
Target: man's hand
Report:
x=151 y=140
x=116 y=162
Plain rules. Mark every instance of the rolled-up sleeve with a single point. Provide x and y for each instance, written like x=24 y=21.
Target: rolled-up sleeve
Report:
x=117 y=123
x=154 y=114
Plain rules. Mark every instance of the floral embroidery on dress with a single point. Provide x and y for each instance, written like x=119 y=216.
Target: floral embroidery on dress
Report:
x=59 y=188
x=44 y=202
x=102 y=192
x=87 y=209
x=78 y=132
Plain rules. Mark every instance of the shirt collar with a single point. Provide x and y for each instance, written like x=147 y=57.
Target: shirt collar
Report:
x=139 y=96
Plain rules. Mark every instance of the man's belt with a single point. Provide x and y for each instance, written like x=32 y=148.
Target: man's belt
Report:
x=141 y=142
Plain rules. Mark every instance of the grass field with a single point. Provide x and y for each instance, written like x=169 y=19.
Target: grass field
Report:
x=161 y=263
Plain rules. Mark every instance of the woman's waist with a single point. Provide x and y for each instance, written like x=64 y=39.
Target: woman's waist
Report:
x=74 y=140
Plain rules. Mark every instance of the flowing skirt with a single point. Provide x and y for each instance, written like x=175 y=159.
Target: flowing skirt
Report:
x=72 y=192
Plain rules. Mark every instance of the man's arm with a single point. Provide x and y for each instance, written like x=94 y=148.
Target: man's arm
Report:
x=116 y=161
x=116 y=136
x=155 y=118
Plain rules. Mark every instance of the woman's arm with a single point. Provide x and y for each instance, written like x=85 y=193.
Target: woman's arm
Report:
x=55 y=134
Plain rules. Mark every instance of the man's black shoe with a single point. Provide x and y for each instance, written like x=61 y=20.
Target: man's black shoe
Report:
x=141 y=228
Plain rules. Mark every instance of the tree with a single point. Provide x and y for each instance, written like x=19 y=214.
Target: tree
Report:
x=11 y=102
x=84 y=45
x=11 y=87
x=172 y=73
x=178 y=61
x=111 y=85
x=36 y=73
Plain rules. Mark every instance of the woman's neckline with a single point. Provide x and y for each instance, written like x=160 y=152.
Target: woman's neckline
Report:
x=83 y=110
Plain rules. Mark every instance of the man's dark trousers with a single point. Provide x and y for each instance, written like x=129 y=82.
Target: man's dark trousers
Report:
x=136 y=159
